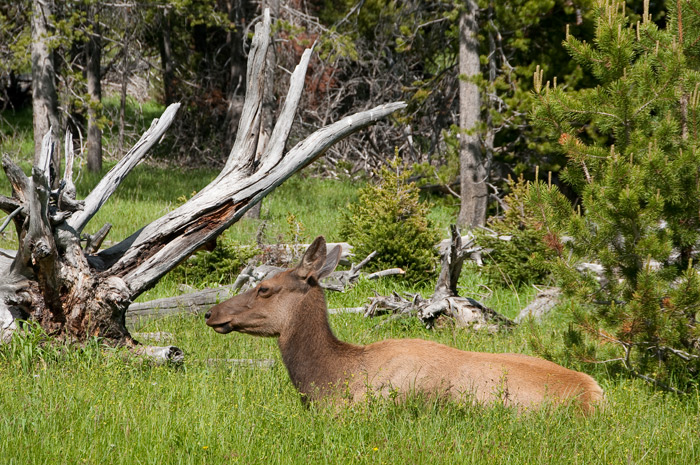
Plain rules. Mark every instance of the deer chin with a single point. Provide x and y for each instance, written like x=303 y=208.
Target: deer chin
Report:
x=221 y=328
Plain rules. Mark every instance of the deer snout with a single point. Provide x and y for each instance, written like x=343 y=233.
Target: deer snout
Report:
x=218 y=321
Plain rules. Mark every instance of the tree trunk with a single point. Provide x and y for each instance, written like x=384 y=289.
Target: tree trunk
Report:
x=237 y=14
x=124 y=76
x=474 y=164
x=269 y=101
x=94 y=87
x=44 y=97
x=166 y=58
x=73 y=293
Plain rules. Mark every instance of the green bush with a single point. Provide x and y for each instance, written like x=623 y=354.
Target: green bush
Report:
x=633 y=158
x=526 y=255
x=389 y=218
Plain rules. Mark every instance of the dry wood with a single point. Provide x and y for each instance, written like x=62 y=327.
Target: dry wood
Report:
x=545 y=300
x=195 y=302
x=71 y=291
x=167 y=354
x=243 y=362
x=159 y=336
x=445 y=300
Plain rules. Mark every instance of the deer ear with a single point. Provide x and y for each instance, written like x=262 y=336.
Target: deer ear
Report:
x=331 y=262
x=314 y=258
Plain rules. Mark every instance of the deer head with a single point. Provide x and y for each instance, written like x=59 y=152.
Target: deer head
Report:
x=274 y=303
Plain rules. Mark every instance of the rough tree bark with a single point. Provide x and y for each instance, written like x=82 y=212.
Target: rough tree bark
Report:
x=76 y=294
x=474 y=163
x=44 y=97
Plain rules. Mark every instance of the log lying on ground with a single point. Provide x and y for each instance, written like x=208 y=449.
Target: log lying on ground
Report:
x=243 y=362
x=545 y=300
x=195 y=302
x=445 y=300
x=158 y=336
x=200 y=301
x=167 y=354
x=56 y=280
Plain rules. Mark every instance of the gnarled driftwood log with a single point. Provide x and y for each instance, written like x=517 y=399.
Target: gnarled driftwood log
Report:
x=445 y=300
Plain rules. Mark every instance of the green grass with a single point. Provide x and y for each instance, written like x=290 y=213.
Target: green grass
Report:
x=101 y=406
x=16 y=134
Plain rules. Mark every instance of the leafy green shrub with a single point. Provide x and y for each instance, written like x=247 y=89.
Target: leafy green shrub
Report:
x=221 y=265
x=523 y=248
x=389 y=218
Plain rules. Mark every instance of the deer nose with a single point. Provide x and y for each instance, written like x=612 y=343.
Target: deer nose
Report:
x=207 y=315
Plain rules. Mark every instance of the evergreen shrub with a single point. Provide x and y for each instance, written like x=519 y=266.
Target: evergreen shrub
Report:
x=634 y=160
x=217 y=267
x=522 y=249
x=390 y=218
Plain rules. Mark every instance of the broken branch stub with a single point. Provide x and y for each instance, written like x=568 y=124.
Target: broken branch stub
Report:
x=75 y=290
x=465 y=311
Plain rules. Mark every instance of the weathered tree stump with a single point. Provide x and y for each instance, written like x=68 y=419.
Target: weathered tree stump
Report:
x=445 y=300
x=75 y=291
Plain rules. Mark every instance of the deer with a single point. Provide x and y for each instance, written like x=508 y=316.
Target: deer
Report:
x=291 y=306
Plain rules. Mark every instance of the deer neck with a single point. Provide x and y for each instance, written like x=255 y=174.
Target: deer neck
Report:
x=316 y=360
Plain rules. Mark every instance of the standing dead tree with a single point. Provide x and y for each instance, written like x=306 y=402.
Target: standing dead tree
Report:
x=76 y=294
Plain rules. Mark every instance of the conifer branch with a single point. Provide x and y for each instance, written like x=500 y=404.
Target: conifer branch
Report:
x=652 y=99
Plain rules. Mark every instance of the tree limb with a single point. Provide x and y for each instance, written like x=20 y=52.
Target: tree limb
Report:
x=106 y=187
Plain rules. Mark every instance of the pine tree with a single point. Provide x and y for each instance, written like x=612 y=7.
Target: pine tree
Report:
x=634 y=161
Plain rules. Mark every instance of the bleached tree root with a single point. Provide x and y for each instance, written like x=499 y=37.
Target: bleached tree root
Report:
x=465 y=311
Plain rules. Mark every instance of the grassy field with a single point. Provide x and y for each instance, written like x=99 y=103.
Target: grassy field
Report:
x=96 y=405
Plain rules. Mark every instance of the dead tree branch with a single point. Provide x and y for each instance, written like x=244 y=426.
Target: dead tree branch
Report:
x=78 y=292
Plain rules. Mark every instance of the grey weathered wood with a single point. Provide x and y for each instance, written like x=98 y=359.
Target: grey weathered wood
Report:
x=545 y=300
x=243 y=362
x=195 y=302
x=81 y=294
x=158 y=336
x=340 y=311
x=465 y=311
x=219 y=205
x=161 y=355
x=106 y=187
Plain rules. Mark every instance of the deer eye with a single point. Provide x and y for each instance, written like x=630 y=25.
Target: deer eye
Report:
x=263 y=291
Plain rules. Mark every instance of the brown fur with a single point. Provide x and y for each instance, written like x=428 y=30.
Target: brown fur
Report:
x=292 y=307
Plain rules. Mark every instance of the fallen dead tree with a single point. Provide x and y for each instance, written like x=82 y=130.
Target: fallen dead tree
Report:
x=337 y=281
x=545 y=300
x=194 y=302
x=57 y=277
x=465 y=311
x=200 y=301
